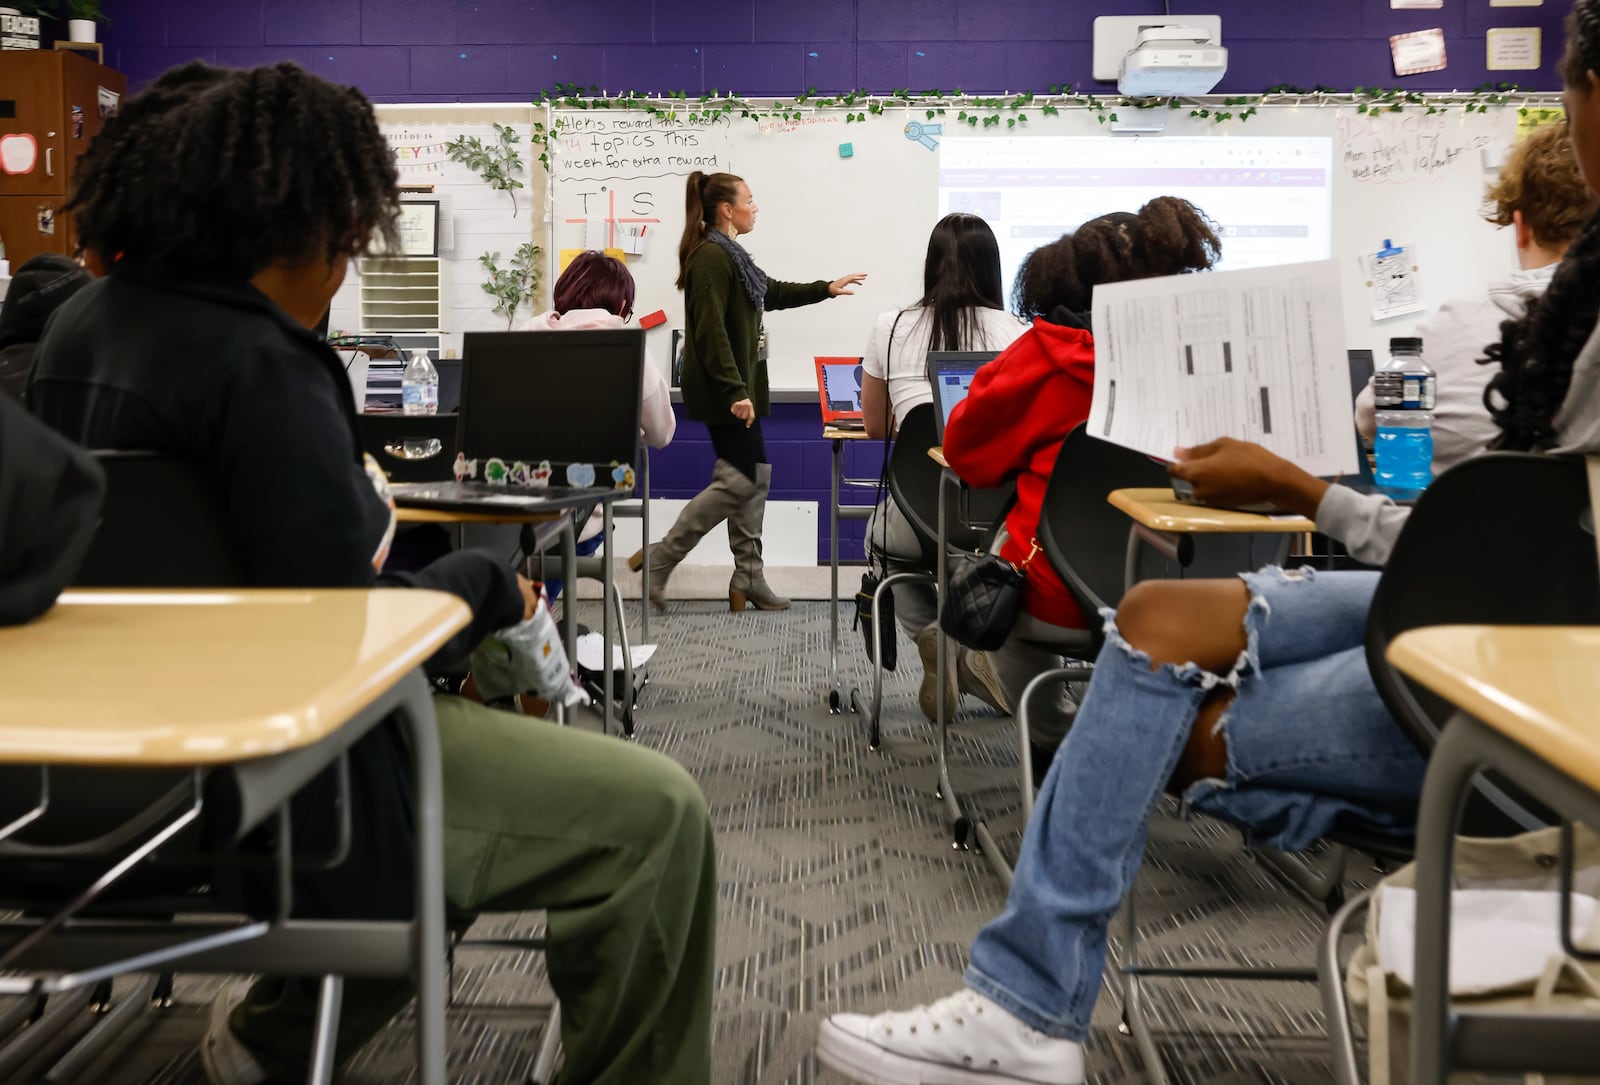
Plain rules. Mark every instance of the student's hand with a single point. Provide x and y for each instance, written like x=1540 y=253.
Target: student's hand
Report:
x=843 y=284
x=530 y=596
x=1228 y=472
x=744 y=411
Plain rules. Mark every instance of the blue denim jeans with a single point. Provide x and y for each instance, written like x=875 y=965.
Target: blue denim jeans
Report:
x=1309 y=744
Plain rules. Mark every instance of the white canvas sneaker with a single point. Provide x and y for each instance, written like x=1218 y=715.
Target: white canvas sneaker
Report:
x=964 y=1039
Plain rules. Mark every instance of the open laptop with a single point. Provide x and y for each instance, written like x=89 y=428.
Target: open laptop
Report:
x=839 y=389
x=950 y=372
x=569 y=399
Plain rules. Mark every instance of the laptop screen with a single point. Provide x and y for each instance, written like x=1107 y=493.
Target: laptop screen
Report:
x=951 y=373
x=841 y=387
x=563 y=396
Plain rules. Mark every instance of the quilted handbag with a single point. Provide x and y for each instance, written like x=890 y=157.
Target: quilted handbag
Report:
x=983 y=598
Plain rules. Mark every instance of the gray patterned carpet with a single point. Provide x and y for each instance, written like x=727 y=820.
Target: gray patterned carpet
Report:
x=840 y=888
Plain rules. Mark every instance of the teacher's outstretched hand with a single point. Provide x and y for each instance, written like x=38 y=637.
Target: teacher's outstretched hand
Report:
x=843 y=283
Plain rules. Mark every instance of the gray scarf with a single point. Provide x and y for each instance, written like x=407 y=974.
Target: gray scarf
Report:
x=754 y=279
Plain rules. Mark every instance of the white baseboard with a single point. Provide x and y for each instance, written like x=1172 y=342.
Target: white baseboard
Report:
x=789 y=535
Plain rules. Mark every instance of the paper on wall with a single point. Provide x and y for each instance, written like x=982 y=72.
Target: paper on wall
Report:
x=1255 y=354
x=1397 y=5
x=1513 y=48
x=1418 y=52
x=1393 y=278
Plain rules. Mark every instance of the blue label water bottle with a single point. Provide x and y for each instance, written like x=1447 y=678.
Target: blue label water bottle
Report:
x=1403 y=391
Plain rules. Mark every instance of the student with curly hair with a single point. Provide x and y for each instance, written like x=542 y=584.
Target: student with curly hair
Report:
x=1022 y=404
x=1541 y=195
x=226 y=207
x=1305 y=742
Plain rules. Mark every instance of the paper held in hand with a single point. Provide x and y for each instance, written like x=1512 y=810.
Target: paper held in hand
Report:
x=1256 y=354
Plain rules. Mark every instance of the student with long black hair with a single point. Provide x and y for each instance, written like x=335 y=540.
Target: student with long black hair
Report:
x=725 y=381
x=1250 y=695
x=962 y=308
x=226 y=207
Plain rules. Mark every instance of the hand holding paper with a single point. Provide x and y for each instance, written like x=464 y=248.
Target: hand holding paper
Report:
x=1256 y=355
x=1234 y=474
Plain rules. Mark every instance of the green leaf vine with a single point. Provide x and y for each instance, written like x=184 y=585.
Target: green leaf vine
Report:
x=515 y=284
x=497 y=163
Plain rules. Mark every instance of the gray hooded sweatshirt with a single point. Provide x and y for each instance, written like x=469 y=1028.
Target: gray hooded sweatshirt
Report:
x=1452 y=342
x=1368 y=524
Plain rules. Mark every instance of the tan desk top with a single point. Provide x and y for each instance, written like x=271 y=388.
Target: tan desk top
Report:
x=1537 y=685
x=834 y=433
x=405 y=515
x=206 y=677
x=936 y=454
x=1157 y=509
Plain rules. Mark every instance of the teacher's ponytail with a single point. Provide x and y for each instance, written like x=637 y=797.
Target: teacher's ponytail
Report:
x=703 y=192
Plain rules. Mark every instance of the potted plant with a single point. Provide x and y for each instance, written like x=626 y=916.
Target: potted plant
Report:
x=19 y=24
x=81 y=17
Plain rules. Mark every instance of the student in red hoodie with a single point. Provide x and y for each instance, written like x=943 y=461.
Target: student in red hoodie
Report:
x=1028 y=399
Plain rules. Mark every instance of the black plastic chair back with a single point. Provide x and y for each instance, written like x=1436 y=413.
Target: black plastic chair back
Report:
x=1085 y=538
x=161 y=526
x=385 y=438
x=914 y=481
x=1500 y=539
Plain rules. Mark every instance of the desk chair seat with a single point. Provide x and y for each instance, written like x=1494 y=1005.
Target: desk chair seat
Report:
x=914 y=486
x=1532 y=563
x=162 y=526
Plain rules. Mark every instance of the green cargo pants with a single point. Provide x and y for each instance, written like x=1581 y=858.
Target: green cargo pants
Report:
x=615 y=842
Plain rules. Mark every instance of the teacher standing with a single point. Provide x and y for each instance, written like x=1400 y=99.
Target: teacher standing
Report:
x=725 y=381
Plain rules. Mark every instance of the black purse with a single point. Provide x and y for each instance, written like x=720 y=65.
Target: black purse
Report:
x=982 y=599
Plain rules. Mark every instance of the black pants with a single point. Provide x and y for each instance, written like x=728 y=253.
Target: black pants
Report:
x=741 y=445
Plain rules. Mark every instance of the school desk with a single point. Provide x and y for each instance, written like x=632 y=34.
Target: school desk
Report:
x=272 y=683
x=1527 y=704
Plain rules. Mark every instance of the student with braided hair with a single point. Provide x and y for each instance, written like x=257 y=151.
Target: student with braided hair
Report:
x=1305 y=742
x=225 y=207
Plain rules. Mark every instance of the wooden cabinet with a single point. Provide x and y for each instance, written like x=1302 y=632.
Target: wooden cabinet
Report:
x=50 y=109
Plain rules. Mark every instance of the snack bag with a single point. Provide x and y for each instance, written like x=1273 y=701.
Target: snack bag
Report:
x=527 y=657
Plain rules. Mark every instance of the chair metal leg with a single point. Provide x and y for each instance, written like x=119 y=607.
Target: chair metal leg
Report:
x=1024 y=728
x=1335 y=1006
x=1134 y=1021
x=59 y=1012
x=544 y=1061
x=628 y=687
x=415 y=713
x=326 y=1038
x=875 y=717
x=111 y=1026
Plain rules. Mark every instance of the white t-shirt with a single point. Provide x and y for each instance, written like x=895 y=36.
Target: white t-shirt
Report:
x=903 y=363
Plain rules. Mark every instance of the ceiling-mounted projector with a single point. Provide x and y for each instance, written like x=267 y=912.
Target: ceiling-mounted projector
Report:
x=1172 y=60
x=1150 y=59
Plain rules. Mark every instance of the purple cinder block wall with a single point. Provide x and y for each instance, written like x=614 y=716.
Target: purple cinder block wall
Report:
x=509 y=50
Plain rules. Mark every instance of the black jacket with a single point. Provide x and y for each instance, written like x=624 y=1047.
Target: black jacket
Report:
x=50 y=493
x=217 y=373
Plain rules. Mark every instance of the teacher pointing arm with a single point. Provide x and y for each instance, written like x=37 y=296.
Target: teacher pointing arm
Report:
x=725 y=380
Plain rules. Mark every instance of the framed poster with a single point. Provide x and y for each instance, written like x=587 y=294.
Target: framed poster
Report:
x=419 y=230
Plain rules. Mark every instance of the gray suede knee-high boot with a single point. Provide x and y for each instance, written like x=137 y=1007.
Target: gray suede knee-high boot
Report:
x=749 y=583
x=712 y=505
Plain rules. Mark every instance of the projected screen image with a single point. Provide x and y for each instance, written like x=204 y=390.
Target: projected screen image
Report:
x=1271 y=195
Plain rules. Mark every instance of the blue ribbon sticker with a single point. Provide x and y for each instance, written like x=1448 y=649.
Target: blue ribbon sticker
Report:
x=917 y=132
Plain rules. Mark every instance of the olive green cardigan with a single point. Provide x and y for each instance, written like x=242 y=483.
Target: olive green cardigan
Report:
x=720 y=366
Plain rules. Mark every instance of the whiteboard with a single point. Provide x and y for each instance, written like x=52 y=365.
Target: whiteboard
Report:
x=1415 y=178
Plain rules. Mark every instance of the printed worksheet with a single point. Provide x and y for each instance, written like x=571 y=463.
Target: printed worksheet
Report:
x=1256 y=354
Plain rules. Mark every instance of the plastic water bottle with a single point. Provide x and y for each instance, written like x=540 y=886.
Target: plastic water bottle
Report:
x=1403 y=391
x=419 y=385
